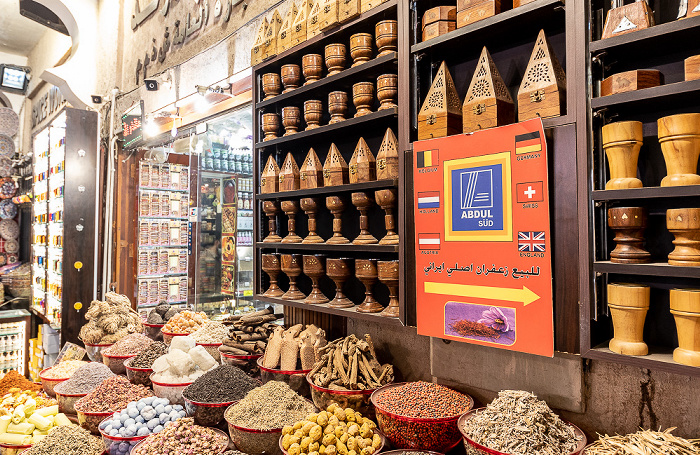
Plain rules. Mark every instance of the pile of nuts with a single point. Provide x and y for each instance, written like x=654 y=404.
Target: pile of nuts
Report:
x=185 y=322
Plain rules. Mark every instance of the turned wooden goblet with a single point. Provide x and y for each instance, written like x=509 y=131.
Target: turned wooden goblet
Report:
x=271 y=265
x=386 y=199
x=628 y=305
x=291 y=119
x=315 y=268
x=387 y=35
x=270 y=126
x=363 y=202
x=366 y=272
x=313 y=110
x=684 y=224
x=291 y=77
x=629 y=224
x=271 y=85
x=312 y=67
x=336 y=56
x=271 y=209
x=679 y=136
x=336 y=206
x=622 y=142
x=291 y=266
x=337 y=106
x=338 y=270
x=310 y=206
x=388 y=274
x=291 y=208
x=387 y=89
x=362 y=96
x=360 y=48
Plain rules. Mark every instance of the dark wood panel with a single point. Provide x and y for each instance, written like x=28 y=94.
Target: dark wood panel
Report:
x=348 y=188
x=328 y=248
x=324 y=308
x=646 y=193
x=659 y=269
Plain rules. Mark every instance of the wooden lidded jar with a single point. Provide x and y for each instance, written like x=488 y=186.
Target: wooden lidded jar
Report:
x=438 y=21
x=542 y=92
x=388 y=157
x=335 y=169
x=311 y=173
x=289 y=174
x=622 y=142
x=679 y=136
x=470 y=11
x=628 y=304
x=363 y=166
x=685 y=307
x=441 y=112
x=488 y=102
x=270 y=176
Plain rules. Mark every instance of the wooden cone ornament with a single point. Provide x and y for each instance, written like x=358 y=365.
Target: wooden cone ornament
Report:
x=270 y=176
x=441 y=113
x=313 y=20
x=388 y=157
x=362 y=164
x=542 y=92
x=284 y=39
x=488 y=102
x=289 y=174
x=311 y=173
x=271 y=34
x=256 y=53
x=335 y=169
x=299 y=23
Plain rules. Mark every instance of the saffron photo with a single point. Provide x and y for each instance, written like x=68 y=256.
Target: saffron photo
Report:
x=480 y=322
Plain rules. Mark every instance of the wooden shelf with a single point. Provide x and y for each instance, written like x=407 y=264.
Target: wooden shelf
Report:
x=325 y=247
x=646 y=193
x=324 y=190
x=341 y=81
x=658 y=359
x=336 y=33
x=348 y=124
x=655 y=269
x=685 y=93
x=324 y=308
x=538 y=13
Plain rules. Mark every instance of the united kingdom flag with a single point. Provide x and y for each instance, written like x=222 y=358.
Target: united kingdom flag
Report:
x=531 y=241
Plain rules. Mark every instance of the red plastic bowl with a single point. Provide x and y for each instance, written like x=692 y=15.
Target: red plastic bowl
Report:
x=49 y=383
x=295 y=379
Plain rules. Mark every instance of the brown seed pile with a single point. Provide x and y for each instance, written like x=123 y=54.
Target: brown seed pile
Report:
x=423 y=400
x=149 y=355
x=67 y=440
x=183 y=437
x=269 y=407
x=129 y=345
x=112 y=395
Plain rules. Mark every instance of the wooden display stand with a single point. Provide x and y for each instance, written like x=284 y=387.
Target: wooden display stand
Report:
x=488 y=102
x=542 y=92
x=628 y=18
x=630 y=81
x=628 y=306
x=441 y=113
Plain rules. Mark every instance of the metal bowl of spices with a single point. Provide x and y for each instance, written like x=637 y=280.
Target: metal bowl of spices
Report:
x=142 y=445
x=474 y=448
x=206 y=414
x=49 y=383
x=295 y=379
x=247 y=363
x=255 y=442
x=13 y=449
x=358 y=400
x=91 y=420
x=94 y=351
x=66 y=402
x=152 y=331
x=137 y=376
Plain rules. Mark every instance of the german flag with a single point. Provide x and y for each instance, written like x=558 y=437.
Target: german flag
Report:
x=428 y=158
x=528 y=143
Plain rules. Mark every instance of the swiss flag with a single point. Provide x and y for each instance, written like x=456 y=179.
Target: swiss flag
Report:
x=529 y=192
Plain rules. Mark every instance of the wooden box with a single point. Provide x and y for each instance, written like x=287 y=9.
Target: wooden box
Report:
x=270 y=176
x=363 y=166
x=313 y=21
x=289 y=174
x=388 y=157
x=256 y=53
x=328 y=16
x=284 y=39
x=438 y=28
x=628 y=18
x=273 y=31
x=517 y=3
x=692 y=68
x=366 y=5
x=488 y=102
x=348 y=10
x=478 y=12
x=693 y=8
x=439 y=13
x=466 y=4
x=629 y=81
x=441 y=112
x=299 y=24
x=542 y=92
x=335 y=169
x=311 y=173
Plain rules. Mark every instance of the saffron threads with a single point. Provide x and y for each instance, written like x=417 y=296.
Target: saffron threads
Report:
x=468 y=328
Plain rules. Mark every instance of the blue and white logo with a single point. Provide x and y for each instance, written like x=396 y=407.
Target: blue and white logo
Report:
x=477 y=189
x=477 y=198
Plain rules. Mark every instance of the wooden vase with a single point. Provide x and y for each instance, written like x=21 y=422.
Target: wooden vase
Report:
x=271 y=209
x=270 y=126
x=387 y=36
x=684 y=224
x=366 y=272
x=291 y=119
x=291 y=266
x=628 y=304
x=336 y=205
x=629 y=224
x=338 y=270
x=360 y=48
x=387 y=89
x=271 y=265
x=336 y=56
x=685 y=308
x=312 y=67
x=310 y=206
x=315 y=268
x=291 y=208
x=291 y=77
x=337 y=106
x=363 y=203
x=388 y=274
x=271 y=85
x=386 y=199
x=679 y=136
x=362 y=96
x=313 y=110
x=622 y=142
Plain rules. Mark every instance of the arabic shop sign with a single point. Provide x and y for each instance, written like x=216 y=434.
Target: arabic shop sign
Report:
x=46 y=105
x=181 y=29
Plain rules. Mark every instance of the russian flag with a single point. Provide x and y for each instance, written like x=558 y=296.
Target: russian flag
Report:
x=429 y=200
x=429 y=241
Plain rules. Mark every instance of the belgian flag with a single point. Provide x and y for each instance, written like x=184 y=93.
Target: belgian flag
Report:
x=528 y=143
x=427 y=158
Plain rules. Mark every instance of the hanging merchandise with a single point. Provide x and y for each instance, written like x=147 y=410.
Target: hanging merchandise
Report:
x=9 y=121
x=7 y=146
x=9 y=229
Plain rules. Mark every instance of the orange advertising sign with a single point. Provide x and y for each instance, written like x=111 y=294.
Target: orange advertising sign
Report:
x=483 y=246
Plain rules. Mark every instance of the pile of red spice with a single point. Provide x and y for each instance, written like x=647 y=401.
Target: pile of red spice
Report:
x=475 y=329
x=14 y=380
x=424 y=400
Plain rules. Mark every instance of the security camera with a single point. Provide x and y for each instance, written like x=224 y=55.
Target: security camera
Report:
x=151 y=85
x=96 y=99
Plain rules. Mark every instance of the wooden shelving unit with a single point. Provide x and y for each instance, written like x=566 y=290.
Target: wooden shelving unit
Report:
x=653 y=269
x=329 y=248
x=685 y=93
x=646 y=193
x=348 y=188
